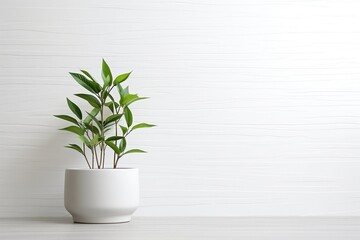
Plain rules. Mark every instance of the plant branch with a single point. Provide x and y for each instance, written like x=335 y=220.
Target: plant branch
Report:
x=96 y=155
x=102 y=151
x=92 y=148
x=103 y=163
x=87 y=161
x=117 y=160
x=92 y=158
x=116 y=134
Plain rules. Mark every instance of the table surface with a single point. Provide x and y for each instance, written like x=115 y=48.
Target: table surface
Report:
x=340 y=228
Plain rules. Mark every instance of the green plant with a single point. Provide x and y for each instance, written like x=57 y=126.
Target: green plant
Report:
x=109 y=120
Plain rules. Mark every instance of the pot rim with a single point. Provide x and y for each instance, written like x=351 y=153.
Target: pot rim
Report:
x=101 y=169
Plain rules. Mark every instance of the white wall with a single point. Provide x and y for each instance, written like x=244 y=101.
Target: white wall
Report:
x=257 y=102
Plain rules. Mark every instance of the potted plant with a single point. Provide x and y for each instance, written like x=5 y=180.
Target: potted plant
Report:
x=99 y=194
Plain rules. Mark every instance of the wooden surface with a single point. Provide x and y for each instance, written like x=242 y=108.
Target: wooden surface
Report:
x=184 y=228
x=257 y=102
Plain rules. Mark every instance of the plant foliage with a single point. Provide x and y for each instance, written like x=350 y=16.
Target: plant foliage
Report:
x=109 y=120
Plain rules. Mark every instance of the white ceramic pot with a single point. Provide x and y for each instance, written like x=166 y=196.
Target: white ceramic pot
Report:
x=101 y=195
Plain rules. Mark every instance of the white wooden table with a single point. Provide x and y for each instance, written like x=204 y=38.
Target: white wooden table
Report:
x=184 y=228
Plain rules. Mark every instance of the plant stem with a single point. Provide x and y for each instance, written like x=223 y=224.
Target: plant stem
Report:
x=87 y=161
x=92 y=158
x=102 y=151
x=117 y=160
x=104 y=158
x=97 y=159
x=92 y=149
x=116 y=134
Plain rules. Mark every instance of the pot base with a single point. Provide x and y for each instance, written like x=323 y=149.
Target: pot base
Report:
x=99 y=220
x=114 y=194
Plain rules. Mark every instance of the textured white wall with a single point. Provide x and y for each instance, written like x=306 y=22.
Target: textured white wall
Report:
x=257 y=102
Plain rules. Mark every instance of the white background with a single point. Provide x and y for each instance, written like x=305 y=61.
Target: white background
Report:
x=257 y=102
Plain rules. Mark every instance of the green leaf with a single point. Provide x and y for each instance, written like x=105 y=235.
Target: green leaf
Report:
x=130 y=98
x=85 y=140
x=111 y=97
x=88 y=75
x=126 y=91
x=142 y=125
x=96 y=86
x=93 y=112
x=94 y=141
x=128 y=116
x=92 y=128
x=67 y=118
x=127 y=98
x=113 y=146
x=112 y=118
x=123 y=129
x=104 y=94
x=94 y=119
x=134 y=151
x=86 y=83
x=121 y=78
x=93 y=101
x=107 y=82
x=74 y=108
x=114 y=138
x=123 y=91
x=75 y=147
x=106 y=74
x=122 y=145
x=107 y=129
x=113 y=101
x=74 y=129
x=110 y=105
